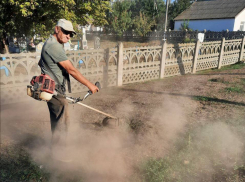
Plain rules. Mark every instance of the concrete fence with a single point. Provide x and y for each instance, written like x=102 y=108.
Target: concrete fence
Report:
x=171 y=36
x=119 y=66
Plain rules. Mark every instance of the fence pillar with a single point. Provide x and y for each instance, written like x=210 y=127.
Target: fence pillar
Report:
x=105 y=68
x=194 y=68
x=242 y=49
x=163 y=58
x=221 y=53
x=120 y=64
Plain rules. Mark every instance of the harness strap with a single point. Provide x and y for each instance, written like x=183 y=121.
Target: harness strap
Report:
x=60 y=88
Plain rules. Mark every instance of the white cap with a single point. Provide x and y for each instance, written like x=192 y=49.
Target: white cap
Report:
x=66 y=25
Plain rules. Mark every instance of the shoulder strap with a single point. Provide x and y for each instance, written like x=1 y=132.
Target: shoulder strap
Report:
x=67 y=77
x=54 y=76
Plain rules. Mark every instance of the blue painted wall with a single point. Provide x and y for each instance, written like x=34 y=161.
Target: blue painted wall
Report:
x=212 y=25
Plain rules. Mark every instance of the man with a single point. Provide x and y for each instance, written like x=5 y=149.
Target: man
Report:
x=54 y=60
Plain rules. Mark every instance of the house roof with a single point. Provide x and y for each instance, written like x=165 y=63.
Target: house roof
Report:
x=216 y=9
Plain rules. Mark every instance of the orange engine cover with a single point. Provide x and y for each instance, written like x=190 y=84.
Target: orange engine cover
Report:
x=43 y=83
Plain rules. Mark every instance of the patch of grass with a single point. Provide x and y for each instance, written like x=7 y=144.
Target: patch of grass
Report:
x=221 y=80
x=235 y=89
x=243 y=81
x=201 y=98
x=238 y=65
x=198 y=159
x=188 y=40
x=16 y=165
x=136 y=125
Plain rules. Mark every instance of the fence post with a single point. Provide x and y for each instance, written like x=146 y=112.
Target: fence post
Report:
x=221 y=53
x=105 y=67
x=120 y=64
x=163 y=58
x=194 y=68
x=242 y=49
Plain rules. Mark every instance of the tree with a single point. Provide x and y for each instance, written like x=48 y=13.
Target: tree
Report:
x=152 y=9
x=19 y=17
x=177 y=7
x=143 y=24
x=121 y=16
x=185 y=26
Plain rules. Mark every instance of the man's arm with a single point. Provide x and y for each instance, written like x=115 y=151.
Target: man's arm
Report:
x=77 y=75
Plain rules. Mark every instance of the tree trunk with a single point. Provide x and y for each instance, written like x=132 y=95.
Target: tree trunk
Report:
x=5 y=46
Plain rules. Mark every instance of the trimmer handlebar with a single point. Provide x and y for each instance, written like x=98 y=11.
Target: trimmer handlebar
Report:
x=75 y=100
x=97 y=84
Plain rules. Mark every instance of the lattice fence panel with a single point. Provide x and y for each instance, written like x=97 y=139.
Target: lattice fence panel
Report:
x=203 y=65
x=111 y=77
x=140 y=75
x=228 y=60
x=208 y=55
x=232 y=50
x=179 y=69
x=18 y=93
x=141 y=64
x=179 y=59
x=210 y=48
x=233 y=45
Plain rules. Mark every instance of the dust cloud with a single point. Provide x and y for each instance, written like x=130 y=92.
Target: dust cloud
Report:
x=217 y=146
x=113 y=154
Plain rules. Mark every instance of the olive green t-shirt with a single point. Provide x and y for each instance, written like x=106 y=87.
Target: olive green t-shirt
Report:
x=53 y=53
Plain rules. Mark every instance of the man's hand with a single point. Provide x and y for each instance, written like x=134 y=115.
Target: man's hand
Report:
x=93 y=88
x=78 y=76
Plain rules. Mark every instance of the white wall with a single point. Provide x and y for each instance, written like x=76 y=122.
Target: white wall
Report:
x=239 y=18
x=212 y=25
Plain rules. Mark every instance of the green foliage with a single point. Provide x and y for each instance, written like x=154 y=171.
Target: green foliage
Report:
x=156 y=170
x=185 y=26
x=20 y=18
x=177 y=7
x=16 y=165
x=153 y=9
x=143 y=24
x=243 y=81
x=124 y=12
x=236 y=89
x=121 y=16
x=239 y=65
x=188 y=40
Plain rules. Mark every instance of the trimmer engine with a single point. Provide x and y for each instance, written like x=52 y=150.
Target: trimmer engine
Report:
x=42 y=87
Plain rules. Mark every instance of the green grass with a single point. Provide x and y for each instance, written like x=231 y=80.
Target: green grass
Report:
x=197 y=158
x=238 y=65
x=235 y=89
x=243 y=81
x=17 y=165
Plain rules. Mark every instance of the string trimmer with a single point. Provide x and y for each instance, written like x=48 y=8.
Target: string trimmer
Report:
x=42 y=88
x=79 y=100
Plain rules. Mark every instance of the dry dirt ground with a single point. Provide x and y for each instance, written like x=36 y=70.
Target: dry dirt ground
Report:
x=152 y=115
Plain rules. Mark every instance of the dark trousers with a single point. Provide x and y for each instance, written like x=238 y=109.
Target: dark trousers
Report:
x=58 y=109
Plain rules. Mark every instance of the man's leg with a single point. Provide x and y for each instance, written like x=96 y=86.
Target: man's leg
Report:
x=58 y=108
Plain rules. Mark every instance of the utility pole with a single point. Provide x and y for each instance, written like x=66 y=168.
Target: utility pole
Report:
x=166 y=20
